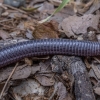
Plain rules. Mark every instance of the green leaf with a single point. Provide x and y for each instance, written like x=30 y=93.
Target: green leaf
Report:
x=64 y=2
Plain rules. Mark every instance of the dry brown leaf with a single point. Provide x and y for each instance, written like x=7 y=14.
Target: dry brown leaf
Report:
x=29 y=34
x=87 y=64
x=29 y=25
x=62 y=92
x=21 y=72
x=97 y=90
x=64 y=13
x=81 y=6
x=28 y=61
x=56 y=2
x=98 y=37
x=46 y=30
x=77 y=25
x=29 y=86
x=45 y=70
x=47 y=9
x=21 y=26
x=96 y=71
x=94 y=7
x=4 y=35
x=15 y=15
x=35 y=69
x=45 y=81
x=92 y=74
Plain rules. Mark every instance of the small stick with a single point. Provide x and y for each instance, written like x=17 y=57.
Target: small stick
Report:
x=14 y=8
x=8 y=80
x=97 y=59
x=18 y=10
x=54 y=92
x=5 y=20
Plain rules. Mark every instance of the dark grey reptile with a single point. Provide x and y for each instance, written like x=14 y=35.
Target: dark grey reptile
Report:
x=16 y=52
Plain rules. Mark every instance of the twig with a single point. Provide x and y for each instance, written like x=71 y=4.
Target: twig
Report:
x=54 y=92
x=5 y=20
x=35 y=1
x=45 y=72
x=14 y=8
x=18 y=10
x=87 y=64
x=8 y=80
x=97 y=59
x=7 y=26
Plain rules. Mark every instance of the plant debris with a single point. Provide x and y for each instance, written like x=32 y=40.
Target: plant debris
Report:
x=56 y=77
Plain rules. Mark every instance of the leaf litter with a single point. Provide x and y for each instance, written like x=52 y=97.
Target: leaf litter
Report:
x=47 y=78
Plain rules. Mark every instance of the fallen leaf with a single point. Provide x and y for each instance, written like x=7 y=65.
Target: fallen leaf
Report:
x=98 y=37
x=64 y=13
x=15 y=33
x=62 y=92
x=28 y=61
x=77 y=25
x=94 y=7
x=45 y=31
x=56 y=2
x=15 y=15
x=96 y=71
x=21 y=72
x=21 y=26
x=92 y=74
x=82 y=6
x=4 y=35
x=45 y=81
x=35 y=69
x=29 y=34
x=1 y=11
x=97 y=90
x=29 y=86
x=5 y=14
x=29 y=24
x=47 y=9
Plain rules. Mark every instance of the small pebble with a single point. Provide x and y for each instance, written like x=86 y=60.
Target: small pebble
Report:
x=15 y=3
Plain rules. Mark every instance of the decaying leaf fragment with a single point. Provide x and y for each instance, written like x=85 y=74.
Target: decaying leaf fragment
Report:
x=29 y=87
x=4 y=35
x=46 y=30
x=76 y=25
